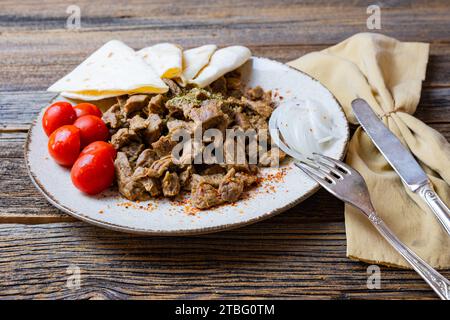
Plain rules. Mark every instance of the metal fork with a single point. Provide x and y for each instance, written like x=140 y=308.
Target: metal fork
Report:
x=349 y=186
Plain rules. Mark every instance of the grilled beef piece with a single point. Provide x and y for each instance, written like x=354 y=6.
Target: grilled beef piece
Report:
x=204 y=195
x=255 y=93
x=136 y=103
x=260 y=107
x=173 y=87
x=132 y=150
x=219 y=86
x=164 y=146
x=151 y=185
x=272 y=157
x=156 y=105
x=181 y=106
x=123 y=137
x=212 y=179
x=170 y=184
x=246 y=178
x=186 y=178
x=175 y=124
x=137 y=123
x=128 y=187
x=242 y=120
x=153 y=130
x=158 y=167
x=146 y=158
x=113 y=117
x=231 y=187
x=142 y=126
x=209 y=115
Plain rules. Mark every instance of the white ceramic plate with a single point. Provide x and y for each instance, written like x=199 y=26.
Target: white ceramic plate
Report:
x=281 y=189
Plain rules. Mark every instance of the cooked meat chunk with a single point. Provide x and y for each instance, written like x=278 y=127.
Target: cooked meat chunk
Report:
x=212 y=179
x=132 y=150
x=113 y=117
x=242 y=120
x=181 y=106
x=247 y=179
x=152 y=186
x=138 y=123
x=174 y=124
x=153 y=130
x=122 y=137
x=156 y=105
x=186 y=178
x=231 y=187
x=200 y=94
x=205 y=196
x=144 y=128
x=160 y=166
x=219 y=86
x=233 y=84
x=128 y=187
x=260 y=107
x=121 y=100
x=272 y=157
x=164 y=146
x=170 y=184
x=173 y=87
x=255 y=93
x=213 y=169
x=146 y=158
x=136 y=103
x=209 y=114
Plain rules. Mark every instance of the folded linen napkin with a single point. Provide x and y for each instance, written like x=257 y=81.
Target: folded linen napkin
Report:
x=388 y=74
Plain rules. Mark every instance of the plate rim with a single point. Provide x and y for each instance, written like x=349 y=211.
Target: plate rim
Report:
x=197 y=231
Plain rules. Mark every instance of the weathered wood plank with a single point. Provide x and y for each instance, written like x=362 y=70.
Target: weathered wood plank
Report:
x=19 y=108
x=33 y=50
x=295 y=260
x=337 y=18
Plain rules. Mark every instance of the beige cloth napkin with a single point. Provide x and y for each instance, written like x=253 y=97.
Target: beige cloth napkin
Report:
x=388 y=74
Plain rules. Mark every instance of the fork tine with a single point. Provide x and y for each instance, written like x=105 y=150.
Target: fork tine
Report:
x=337 y=163
x=314 y=173
x=332 y=170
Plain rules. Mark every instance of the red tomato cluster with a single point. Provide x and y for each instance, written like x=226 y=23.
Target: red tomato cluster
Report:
x=77 y=138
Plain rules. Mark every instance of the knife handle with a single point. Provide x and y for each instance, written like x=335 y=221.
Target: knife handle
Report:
x=440 y=210
x=436 y=281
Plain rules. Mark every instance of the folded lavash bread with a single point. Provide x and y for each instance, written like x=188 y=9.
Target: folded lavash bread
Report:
x=194 y=60
x=222 y=61
x=112 y=70
x=165 y=58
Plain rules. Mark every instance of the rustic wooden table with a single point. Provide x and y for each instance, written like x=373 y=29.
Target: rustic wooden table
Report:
x=298 y=254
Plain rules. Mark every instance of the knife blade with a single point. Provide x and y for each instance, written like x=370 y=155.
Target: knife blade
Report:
x=401 y=160
x=392 y=149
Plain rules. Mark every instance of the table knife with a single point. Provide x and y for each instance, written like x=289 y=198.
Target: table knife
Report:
x=401 y=160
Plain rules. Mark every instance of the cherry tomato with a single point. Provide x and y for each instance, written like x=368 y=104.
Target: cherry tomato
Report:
x=58 y=114
x=99 y=146
x=85 y=108
x=92 y=129
x=93 y=173
x=64 y=145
